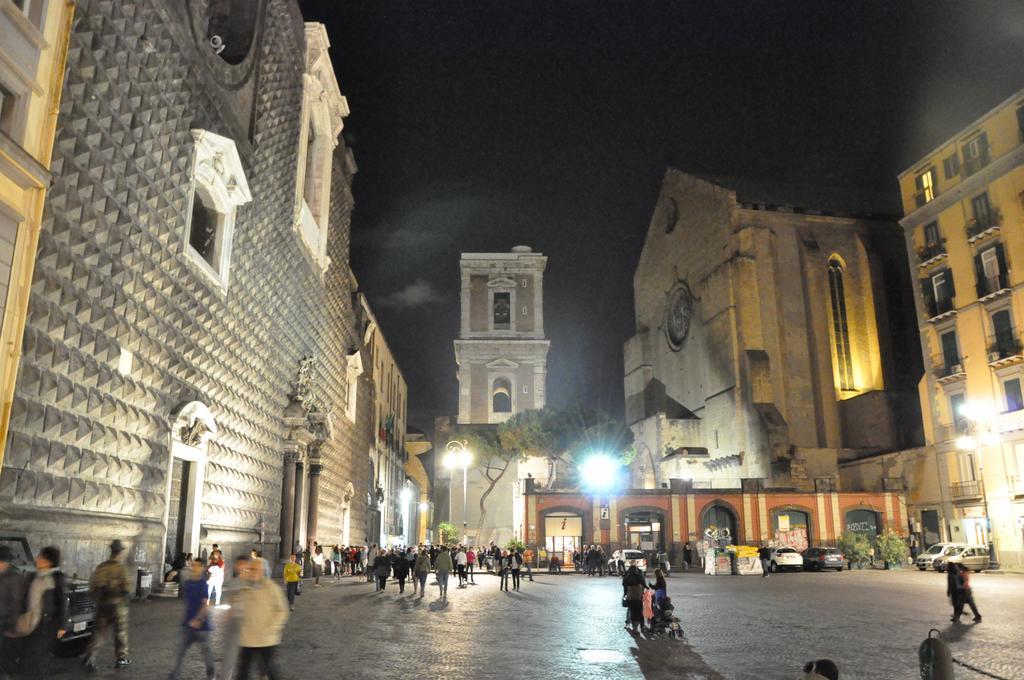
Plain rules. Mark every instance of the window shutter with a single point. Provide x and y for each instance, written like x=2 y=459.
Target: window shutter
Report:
x=983 y=148
x=979 y=271
x=928 y=293
x=1001 y=258
x=949 y=283
x=956 y=162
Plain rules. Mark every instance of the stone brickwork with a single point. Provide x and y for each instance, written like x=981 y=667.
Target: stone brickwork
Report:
x=89 y=449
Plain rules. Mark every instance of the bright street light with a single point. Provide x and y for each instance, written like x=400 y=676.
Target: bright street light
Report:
x=599 y=472
x=424 y=506
x=459 y=456
x=405 y=494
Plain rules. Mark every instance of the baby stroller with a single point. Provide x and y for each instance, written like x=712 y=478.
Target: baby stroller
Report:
x=665 y=623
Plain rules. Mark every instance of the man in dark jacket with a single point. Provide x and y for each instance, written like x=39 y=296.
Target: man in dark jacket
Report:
x=633 y=596
x=765 y=555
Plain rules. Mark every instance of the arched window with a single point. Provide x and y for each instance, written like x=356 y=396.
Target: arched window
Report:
x=840 y=325
x=501 y=396
x=231 y=28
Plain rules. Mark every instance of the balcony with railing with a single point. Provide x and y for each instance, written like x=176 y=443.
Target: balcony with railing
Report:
x=1005 y=348
x=947 y=368
x=979 y=228
x=963 y=491
x=990 y=287
x=973 y=164
x=930 y=253
x=1016 y=485
x=939 y=307
x=950 y=432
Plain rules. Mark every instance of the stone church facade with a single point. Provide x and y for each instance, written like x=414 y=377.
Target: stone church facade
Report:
x=191 y=369
x=770 y=344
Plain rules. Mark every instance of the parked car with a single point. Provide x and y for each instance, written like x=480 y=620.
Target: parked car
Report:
x=926 y=559
x=785 y=558
x=81 y=609
x=631 y=558
x=817 y=559
x=975 y=557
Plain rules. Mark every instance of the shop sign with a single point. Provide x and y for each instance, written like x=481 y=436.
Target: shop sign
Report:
x=605 y=514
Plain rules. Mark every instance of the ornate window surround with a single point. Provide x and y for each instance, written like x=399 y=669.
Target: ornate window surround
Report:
x=324 y=109
x=217 y=173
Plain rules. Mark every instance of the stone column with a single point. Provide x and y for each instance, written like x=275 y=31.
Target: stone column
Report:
x=314 y=501
x=297 y=507
x=288 y=504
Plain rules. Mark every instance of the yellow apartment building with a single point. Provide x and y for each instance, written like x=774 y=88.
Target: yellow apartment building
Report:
x=34 y=38
x=964 y=224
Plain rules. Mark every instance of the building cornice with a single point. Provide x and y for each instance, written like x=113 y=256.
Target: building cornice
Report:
x=965 y=189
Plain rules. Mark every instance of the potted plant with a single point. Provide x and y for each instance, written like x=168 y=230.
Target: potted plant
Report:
x=856 y=548
x=448 y=532
x=893 y=549
x=514 y=545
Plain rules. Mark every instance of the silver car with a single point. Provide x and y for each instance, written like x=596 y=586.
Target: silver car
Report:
x=927 y=559
x=974 y=557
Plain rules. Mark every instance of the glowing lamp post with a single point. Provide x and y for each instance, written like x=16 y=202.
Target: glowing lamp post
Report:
x=981 y=433
x=405 y=495
x=459 y=456
x=599 y=475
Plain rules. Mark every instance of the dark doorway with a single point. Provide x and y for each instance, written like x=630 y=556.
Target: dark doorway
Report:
x=718 y=525
x=177 y=508
x=930 y=530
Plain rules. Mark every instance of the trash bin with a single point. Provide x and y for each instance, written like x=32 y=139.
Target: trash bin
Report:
x=143 y=584
x=734 y=564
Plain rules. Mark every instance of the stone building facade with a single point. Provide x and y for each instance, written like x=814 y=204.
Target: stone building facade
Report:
x=191 y=356
x=764 y=344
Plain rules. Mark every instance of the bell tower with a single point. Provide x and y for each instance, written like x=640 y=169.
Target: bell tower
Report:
x=501 y=350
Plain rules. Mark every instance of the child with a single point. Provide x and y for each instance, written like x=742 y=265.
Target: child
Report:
x=648 y=608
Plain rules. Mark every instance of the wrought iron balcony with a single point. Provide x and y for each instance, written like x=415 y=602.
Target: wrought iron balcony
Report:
x=947 y=366
x=930 y=251
x=990 y=285
x=978 y=227
x=1005 y=347
x=965 y=490
x=950 y=432
x=939 y=306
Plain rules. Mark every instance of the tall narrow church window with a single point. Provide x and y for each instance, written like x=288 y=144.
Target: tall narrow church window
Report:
x=502 y=310
x=501 y=396
x=840 y=326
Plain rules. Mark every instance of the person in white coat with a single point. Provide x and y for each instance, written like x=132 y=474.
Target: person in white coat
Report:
x=215 y=581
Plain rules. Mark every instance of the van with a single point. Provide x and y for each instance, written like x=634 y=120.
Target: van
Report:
x=926 y=559
x=974 y=557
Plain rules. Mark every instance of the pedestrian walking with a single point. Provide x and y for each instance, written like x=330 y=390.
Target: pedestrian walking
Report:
x=504 y=568
x=41 y=624
x=421 y=569
x=369 y=554
x=11 y=596
x=442 y=568
x=966 y=594
x=764 y=553
x=688 y=555
x=109 y=586
x=461 y=560
x=953 y=589
x=381 y=570
x=633 y=599
x=400 y=569
x=215 y=580
x=318 y=565
x=528 y=563
x=470 y=564
x=292 y=574
x=196 y=624
x=515 y=565
x=264 y=614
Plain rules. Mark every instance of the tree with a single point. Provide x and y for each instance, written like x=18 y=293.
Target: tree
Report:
x=448 y=532
x=491 y=460
x=581 y=432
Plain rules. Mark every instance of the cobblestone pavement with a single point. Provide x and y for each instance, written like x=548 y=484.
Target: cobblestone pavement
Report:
x=739 y=628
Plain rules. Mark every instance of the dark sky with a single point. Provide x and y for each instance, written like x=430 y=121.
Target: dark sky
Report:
x=479 y=125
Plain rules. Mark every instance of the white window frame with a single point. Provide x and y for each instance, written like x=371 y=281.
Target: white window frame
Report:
x=323 y=112
x=936 y=278
x=218 y=174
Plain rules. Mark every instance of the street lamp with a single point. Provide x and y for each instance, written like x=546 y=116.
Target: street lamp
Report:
x=459 y=456
x=980 y=434
x=405 y=495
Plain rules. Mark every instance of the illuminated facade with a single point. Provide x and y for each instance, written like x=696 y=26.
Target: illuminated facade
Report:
x=34 y=38
x=964 y=207
x=764 y=347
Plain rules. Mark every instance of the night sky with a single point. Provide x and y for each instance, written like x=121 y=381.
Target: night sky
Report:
x=481 y=125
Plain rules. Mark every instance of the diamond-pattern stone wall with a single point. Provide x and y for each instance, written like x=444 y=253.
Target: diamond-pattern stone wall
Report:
x=88 y=452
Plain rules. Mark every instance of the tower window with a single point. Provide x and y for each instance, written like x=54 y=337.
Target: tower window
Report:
x=231 y=27
x=502 y=310
x=501 y=396
x=204 y=234
x=840 y=325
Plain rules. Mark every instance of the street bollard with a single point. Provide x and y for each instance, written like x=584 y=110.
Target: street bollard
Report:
x=935 y=658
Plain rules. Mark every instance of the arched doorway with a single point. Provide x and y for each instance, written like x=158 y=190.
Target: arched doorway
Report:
x=791 y=527
x=718 y=524
x=563 y=534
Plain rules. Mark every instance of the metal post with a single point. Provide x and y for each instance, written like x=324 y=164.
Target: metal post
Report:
x=993 y=560
x=465 y=526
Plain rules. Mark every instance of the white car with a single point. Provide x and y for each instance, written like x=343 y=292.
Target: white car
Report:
x=630 y=558
x=927 y=559
x=785 y=558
